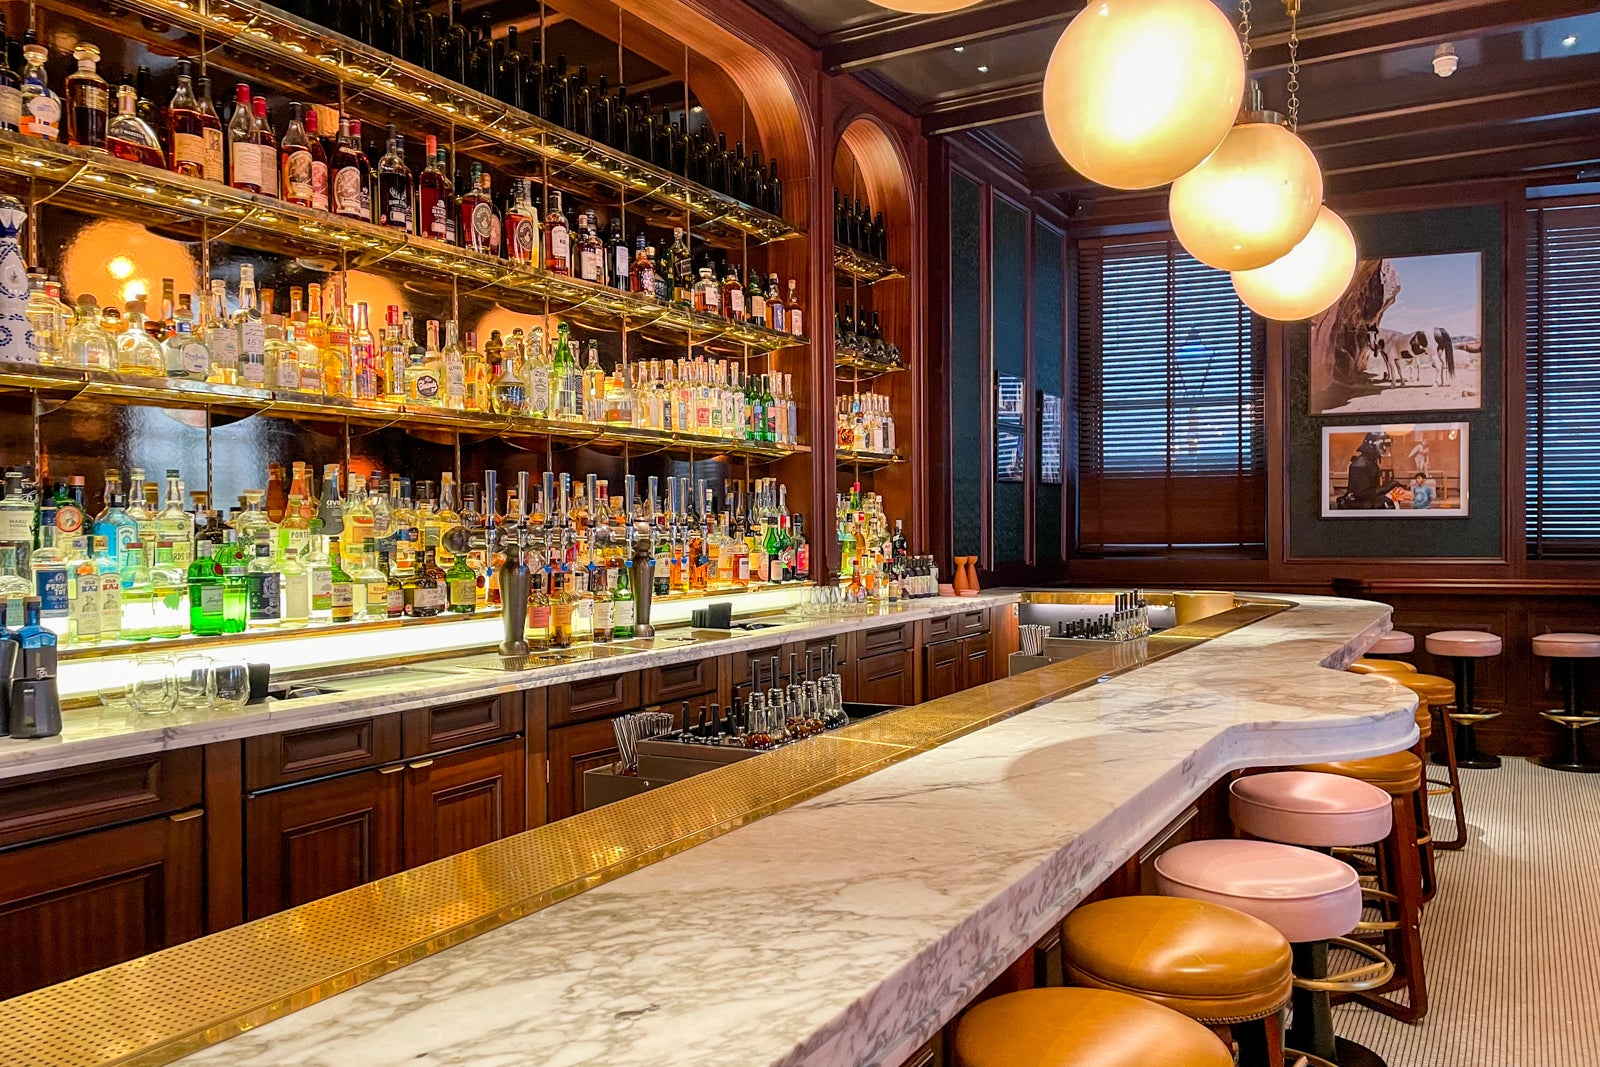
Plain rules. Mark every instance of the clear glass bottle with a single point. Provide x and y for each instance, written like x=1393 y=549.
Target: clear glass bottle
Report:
x=173 y=525
x=169 y=594
x=369 y=585
x=137 y=351
x=184 y=354
x=252 y=332
x=41 y=107
x=137 y=607
x=294 y=591
x=130 y=137
x=221 y=338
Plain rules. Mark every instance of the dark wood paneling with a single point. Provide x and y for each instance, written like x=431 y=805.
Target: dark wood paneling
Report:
x=55 y=803
x=536 y=780
x=883 y=639
x=887 y=677
x=275 y=759
x=578 y=748
x=81 y=903
x=310 y=840
x=593 y=698
x=224 y=825
x=944 y=669
x=463 y=800
x=680 y=681
x=979 y=665
x=941 y=628
x=425 y=730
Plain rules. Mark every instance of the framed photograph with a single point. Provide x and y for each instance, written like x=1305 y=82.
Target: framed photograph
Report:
x=1410 y=471
x=1008 y=399
x=1008 y=453
x=1406 y=336
x=1051 y=410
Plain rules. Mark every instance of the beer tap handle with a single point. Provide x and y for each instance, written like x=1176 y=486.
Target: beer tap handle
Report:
x=652 y=487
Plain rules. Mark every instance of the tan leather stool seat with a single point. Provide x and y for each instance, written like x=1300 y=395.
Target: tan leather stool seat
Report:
x=1567 y=646
x=1392 y=667
x=1424 y=721
x=1214 y=964
x=1397 y=774
x=1082 y=1028
x=1437 y=691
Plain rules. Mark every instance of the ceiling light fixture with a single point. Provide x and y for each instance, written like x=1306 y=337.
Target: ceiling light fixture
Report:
x=1569 y=40
x=983 y=68
x=961 y=48
x=1445 y=60
x=1314 y=274
x=1138 y=92
x=925 y=7
x=1253 y=199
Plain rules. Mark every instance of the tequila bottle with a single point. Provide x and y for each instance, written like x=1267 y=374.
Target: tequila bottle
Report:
x=137 y=352
x=221 y=338
x=424 y=371
x=540 y=377
x=252 y=331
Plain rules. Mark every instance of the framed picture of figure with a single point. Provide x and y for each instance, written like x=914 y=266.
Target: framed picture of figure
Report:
x=1406 y=336
x=1395 y=471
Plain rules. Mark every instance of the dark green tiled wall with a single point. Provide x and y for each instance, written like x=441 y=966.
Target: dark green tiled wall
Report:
x=1049 y=334
x=1008 y=267
x=966 y=357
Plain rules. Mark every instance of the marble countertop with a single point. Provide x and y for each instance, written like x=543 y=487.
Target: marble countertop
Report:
x=847 y=929
x=94 y=734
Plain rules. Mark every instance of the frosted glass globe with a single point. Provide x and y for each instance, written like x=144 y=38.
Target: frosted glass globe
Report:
x=1307 y=280
x=1138 y=92
x=925 y=7
x=1250 y=201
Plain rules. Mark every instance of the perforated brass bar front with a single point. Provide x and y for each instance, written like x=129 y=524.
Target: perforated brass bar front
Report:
x=158 y=1008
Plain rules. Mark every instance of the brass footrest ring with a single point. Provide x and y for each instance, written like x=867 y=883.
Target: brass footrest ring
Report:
x=1472 y=718
x=1571 y=722
x=1357 y=979
x=1292 y=1058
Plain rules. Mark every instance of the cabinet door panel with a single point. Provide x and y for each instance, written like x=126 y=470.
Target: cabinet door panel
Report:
x=573 y=750
x=886 y=678
x=946 y=669
x=975 y=651
x=679 y=681
x=464 y=800
x=80 y=903
x=318 y=751
x=438 y=729
x=57 y=803
x=320 y=838
x=593 y=698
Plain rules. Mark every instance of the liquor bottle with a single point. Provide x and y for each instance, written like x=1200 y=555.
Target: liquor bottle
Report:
x=48 y=565
x=434 y=195
x=453 y=363
x=794 y=313
x=319 y=160
x=342 y=591
x=213 y=168
x=205 y=592
x=428 y=595
x=369 y=585
x=88 y=100
x=557 y=238
x=137 y=352
x=522 y=242
x=127 y=135
x=680 y=269
x=252 y=332
x=733 y=304
x=424 y=372
x=510 y=70
x=10 y=94
x=296 y=160
x=461 y=581
x=266 y=147
x=479 y=225
x=337 y=355
x=774 y=204
x=173 y=525
x=393 y=349
x=394 y=184
x=363 y=358
x=566 y=401
x=41 y=108
x=244 y=155
x=643 y=274
x=169 y=594
x=349 y=169
x=136 y=611
x=591 y=255
x=776 y=319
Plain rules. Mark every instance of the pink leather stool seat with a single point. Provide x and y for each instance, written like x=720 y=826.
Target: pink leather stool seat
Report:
x=1310 y=808
x=1470 y=643
x=1306 y=895
x=1393 y=643
x=1567 y=646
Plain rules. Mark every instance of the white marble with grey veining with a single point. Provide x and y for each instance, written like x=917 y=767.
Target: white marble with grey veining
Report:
x=95 y=734
x=848 y=929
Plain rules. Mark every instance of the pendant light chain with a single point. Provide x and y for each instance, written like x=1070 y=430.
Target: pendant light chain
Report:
x=1294 y=64
x=1244 y=28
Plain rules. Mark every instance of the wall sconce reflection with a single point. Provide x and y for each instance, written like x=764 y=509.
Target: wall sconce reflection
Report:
x=121 y=261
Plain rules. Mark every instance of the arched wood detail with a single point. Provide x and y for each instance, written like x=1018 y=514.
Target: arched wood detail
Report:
x=885 y=175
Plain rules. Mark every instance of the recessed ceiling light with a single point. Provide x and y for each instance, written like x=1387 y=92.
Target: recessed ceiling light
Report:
x=697 y=109
x=1569 y=40
x=961 y=48
x=983 y=68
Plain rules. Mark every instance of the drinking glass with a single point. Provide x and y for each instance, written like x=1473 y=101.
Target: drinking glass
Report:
x=114 y=693
x=230 y=684
x=195 y=681
x=153 y=686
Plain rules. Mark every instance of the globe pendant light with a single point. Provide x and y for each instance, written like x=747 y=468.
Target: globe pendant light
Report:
x=1307 y=280
x=1138 y=92
x=1252 y=199
x=925 y=7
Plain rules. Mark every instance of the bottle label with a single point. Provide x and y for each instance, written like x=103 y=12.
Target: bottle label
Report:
x=210 y=598
x=10 y=107
x=482 y=236
x=539 y=391
x=297 y=176
x=736 y=303
x=321 y=588
x=430 y=599
x=69 y=520
x=619 y=266
x=296 y=599
x=267 y=161
x=519 y=239
x=539 y=617
x=264 y=593
x=85 y=607
x=246 y=161
x=348 y=192
x=93 y=98
x=435 y=216
x=51 y=584
x=560 y=247
x=111 y=600
x=225 y=348
x=210 y=158
x=182 y=553
x=591 y=264
x=397 y=207
x=342 y=595
x=623 y=614
x=561 y=614
x=189 y=148
x=196 y=360
x=288 y=372
x=463 y=592
x=378 y=596
x=394 y=600
x=319 y=184
x=16 y=525
x=796 y=321
x=41 y=116
x=427 y=387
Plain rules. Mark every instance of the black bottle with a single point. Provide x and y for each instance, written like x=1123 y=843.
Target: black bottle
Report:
x=605 y=106
x=838 y=216
x=738 y=177
x=508 y=76
x=393 y=26
x=425 y=41
x=666 y=137
x=774 y=189
x=880 y=237
x=557 y=93
x=453 y=51
x=483 y=61
x=582 y=103
x=622 y=123
x=719 y=164
x=756 y=182
x=533 y=86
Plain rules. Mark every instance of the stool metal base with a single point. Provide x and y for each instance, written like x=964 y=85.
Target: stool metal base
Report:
x=1348 y=1053
x=1467 y=752
x=1559 y=763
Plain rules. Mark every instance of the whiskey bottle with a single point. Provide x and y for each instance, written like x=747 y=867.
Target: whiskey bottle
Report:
x=244 y=157
x=522 y=243
x=319 y=161
x=41 y=108
x=349 y=169
x=88 y=100
x=558 y=239
x=394 y=184
x=210 y=130
x=266 y=147
x=794 y=314
x=296 y=159
x=479 y=227
x=129 y=137
x=434 y=195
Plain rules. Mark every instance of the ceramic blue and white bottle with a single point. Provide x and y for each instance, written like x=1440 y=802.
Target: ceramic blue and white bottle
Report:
x=16 y=332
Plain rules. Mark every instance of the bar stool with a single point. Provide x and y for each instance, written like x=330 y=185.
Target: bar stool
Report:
x=1400 y=872
x=1392 y=644
x=1222 y=968
x=1439 y=693
x=1082 y=1028
x=1568 y=649
x=1464 y=648
x=1313 y=900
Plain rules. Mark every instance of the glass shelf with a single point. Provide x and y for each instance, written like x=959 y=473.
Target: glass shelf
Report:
x=844 y=359
x=96 y=183
x=417 y=99
x=859 y=265
x=63 y=384
x=850 y=458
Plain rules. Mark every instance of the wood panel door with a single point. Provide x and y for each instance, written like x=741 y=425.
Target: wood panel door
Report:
x=975 y=653
x=77 y=904
x=308 y=841
x=464 y=800
x=945 y=669
x=887 y=678
x=573 y=750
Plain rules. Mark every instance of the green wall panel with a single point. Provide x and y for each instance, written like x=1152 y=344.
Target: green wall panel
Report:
x=1008 y=268
x=966 y=364
x=1049 y=335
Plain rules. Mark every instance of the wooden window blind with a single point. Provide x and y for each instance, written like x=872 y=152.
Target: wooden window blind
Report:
x=1171 y=448
x=1563 y=346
